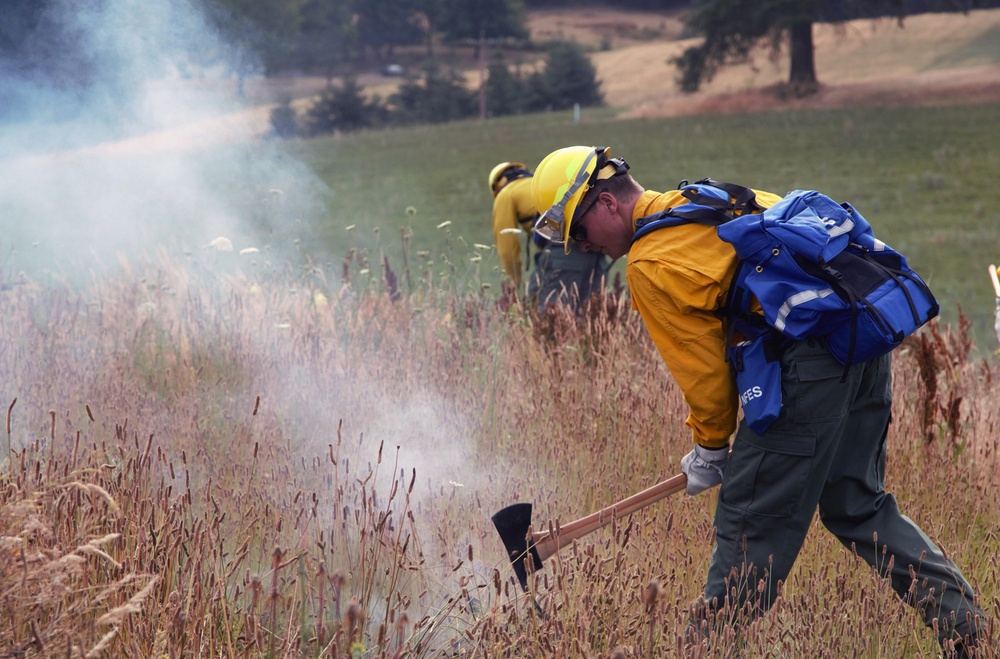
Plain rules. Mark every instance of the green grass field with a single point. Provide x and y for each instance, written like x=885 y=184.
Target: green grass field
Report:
x=924 y=177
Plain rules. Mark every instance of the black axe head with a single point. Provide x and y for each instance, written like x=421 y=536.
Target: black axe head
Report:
x=513 y=523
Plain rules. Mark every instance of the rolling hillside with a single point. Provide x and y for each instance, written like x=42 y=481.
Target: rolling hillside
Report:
x=931 y=59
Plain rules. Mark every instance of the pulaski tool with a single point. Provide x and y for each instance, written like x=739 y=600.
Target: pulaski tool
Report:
x=527 y=549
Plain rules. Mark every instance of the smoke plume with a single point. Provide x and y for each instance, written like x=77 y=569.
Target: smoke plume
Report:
x=122 y=134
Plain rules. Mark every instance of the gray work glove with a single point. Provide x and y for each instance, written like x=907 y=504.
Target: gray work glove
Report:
x=704 y=467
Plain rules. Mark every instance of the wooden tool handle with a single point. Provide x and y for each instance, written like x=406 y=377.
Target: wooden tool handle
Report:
x=549 y=543
x=996 y=281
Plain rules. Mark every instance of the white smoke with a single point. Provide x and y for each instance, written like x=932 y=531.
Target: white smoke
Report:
x=137 y=142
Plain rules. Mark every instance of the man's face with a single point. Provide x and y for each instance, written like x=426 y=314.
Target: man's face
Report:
x=600 y=229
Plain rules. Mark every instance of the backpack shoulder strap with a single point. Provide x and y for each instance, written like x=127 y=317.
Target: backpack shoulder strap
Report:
x=742 y=199
x=661 y=220
x=703 y=208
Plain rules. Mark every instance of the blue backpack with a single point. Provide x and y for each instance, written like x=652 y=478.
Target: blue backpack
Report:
x=816 y=269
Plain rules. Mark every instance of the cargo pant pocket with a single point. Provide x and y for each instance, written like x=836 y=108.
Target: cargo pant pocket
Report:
x=767 y=474
x=817 y=390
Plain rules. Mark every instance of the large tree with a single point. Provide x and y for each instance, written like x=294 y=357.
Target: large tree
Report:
x=256 y=35
x=470 y=20
x=328 y=37
x=732 y=28
x=385 y=24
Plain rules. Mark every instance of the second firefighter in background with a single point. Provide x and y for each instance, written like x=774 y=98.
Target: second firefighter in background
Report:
x=555 y=275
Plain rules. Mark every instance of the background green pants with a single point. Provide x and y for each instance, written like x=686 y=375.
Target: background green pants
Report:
x=826 y=449
x=566 y=278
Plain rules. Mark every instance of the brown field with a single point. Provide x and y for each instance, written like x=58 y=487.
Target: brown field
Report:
x=205 y=463
x=862 y=62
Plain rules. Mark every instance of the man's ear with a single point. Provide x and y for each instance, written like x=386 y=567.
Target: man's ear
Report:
x=608 y=200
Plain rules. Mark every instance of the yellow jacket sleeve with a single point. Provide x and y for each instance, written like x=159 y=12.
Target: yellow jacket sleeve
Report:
x=513 y=209
x=678 y=279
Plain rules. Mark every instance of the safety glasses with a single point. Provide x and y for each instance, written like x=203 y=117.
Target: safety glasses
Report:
x=577 y=231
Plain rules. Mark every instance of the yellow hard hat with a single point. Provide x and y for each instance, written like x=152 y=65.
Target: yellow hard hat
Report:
x=562 y=179
x=497 y=175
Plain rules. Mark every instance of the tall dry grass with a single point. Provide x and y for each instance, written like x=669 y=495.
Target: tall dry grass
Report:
x=203 y=463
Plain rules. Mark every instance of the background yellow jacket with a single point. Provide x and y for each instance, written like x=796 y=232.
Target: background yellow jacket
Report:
x=513 y=208
x=678 y=278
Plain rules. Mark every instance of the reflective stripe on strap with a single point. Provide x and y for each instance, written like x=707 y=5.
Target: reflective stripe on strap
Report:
x=794 y=301
x=839 y=230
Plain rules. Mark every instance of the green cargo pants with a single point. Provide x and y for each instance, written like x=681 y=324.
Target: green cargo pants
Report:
x=567 y=278
x=827 y=449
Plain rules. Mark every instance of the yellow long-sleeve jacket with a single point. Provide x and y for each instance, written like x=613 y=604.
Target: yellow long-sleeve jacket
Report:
x=513 y=208
x=678 y=278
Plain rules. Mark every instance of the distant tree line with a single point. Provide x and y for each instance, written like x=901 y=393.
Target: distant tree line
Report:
x=333 y=37
x=327 y=36
x=272 y=35
x=566 y=78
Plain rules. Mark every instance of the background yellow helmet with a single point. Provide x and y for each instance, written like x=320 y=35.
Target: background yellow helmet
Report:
x=497 y=179
x=562 y=179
